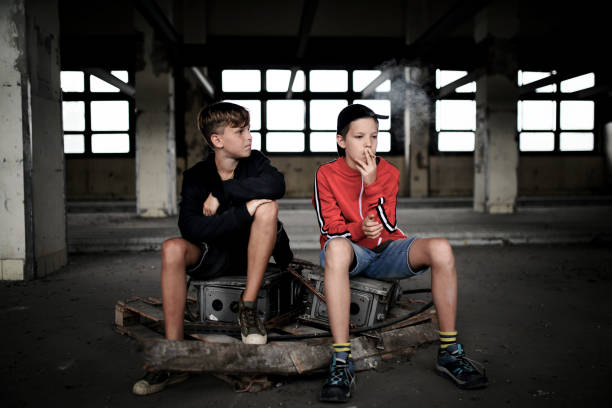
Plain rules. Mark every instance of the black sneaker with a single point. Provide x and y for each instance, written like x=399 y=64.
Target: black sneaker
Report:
x=465 y=373
x=251 y=327
x=341 y=378
x=155 y=381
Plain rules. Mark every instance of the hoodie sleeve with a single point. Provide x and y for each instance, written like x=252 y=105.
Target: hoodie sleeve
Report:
x=331 y=221
x=195 y=226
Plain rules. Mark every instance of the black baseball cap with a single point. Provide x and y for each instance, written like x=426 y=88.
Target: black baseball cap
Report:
x=354 y=112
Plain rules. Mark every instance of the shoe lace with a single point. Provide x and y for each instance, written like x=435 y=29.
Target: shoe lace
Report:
x=468 y=365
x=249 y=316
x=339 y=374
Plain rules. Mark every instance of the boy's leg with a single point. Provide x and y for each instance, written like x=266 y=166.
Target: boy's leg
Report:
x=452 y=361
x=338 y=258
x=261 y=244
x=438 y=254
x=177 y=254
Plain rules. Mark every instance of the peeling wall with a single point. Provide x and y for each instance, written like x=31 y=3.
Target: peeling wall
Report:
x=101 y=179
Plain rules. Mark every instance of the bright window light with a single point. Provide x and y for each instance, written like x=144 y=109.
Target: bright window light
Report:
x=285 y=115
x=537 y=141
x=323 y=142
x=527 y=77
x=455 y=115
x=577 y=115
x=110 y=143
x=324 y=113
x=98 y=85
x=110 y=115
x=536 y=115
x=445 y=77
x=384 y=142
x=254 y=108
x=277 y=80
x=241 y=80
x=72 y=81
x=578 y=83
x=363 y=78
x=381 y=107
x=328 y=81
x=285 y=142
x=456 y=141
x=74 y=143
x=73 y=115
x=577 y=142
x=255 y=141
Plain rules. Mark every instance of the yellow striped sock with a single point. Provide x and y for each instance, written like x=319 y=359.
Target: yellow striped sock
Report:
x=343 y=347
x=447 y=339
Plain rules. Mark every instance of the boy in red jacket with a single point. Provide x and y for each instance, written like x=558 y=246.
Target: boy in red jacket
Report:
x=355 y=199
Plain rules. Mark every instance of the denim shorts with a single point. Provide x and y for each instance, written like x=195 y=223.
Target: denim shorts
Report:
x=391 y=263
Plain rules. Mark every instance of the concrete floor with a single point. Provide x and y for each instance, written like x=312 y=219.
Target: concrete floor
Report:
x=539 y=317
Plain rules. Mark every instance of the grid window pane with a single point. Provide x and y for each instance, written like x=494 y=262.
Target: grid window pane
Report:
x=110 y=143
x=99 y=85
x=445 y=77
x=577 y=142
x=536 y=115
x=285 y=142
x=73 y=115
x=277 y=80
x=254 y=108
x=255 y=141
x=110 y=115
x=328 y=81
x=381 y=107
x=384 y=142
x=578 y=83
x=285 y=115
x=74 y=143
x=324 y=113
x=577 y=115
x=241 y=80
x=72 y=81
x=456 y=141
x=455 y=115
x=537 y=141
x=363 y=78
x=323 y=142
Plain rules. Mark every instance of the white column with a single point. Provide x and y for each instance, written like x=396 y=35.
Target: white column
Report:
x=496 y=151
x=32 y=203
x=155 y=135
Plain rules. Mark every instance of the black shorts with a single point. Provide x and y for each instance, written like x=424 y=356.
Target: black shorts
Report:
x=227 y=260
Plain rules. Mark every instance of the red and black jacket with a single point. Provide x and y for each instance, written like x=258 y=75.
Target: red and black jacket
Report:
x=342 y=201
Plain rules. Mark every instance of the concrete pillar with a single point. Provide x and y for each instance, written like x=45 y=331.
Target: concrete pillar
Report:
x=32 y=214
x=155 y=134
x=496 y=151
x=608 y=153
x=418 y=116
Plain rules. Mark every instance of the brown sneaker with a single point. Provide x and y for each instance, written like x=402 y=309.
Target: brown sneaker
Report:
x=251 y=327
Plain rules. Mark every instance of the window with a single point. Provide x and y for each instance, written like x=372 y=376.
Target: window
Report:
x=456 y=117
x=306 y=123
x=554 y=122
x=97 y=118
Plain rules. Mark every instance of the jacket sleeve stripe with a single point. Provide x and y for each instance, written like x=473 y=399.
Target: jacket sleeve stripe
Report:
x=383 y=216
x=324 y=232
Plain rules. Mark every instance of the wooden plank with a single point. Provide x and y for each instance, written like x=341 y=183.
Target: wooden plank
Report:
x=286 y=358
x=214 y=338
x=146 y=310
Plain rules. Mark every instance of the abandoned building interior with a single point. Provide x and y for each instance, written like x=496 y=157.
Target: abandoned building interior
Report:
x=500 y=122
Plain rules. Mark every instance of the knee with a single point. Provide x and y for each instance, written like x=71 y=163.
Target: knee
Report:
x=338 y=253
x=441 y=252
x=174 y=250
x=267 y=212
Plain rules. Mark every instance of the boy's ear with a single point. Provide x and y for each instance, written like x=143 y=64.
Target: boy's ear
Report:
x=341 y=141
x=216 y=141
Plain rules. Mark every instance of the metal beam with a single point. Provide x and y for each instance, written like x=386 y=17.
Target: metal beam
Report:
x=470 y=77
x=204 y=81
x=532 y=86
x=592 y=92
x=155 y=16
x=309 y=10
x=113 y=80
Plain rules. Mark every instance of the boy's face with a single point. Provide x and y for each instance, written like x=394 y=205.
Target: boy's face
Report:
x=234 y=141
x=361 y=139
